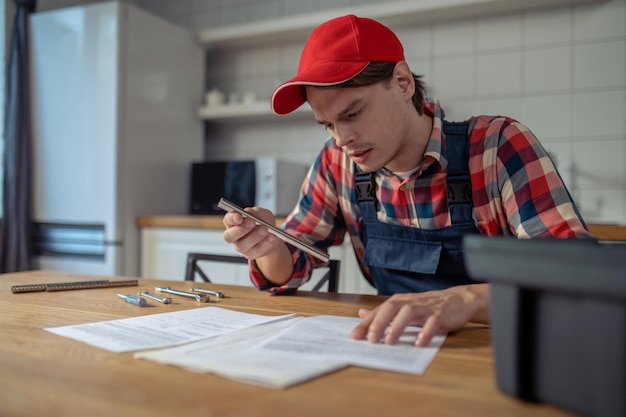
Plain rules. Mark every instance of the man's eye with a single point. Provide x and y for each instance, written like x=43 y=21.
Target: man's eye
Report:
x=353 y=115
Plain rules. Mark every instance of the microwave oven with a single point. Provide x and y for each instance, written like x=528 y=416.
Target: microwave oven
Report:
x=270 y=183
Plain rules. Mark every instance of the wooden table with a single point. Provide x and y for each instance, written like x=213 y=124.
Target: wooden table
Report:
x=42 y=374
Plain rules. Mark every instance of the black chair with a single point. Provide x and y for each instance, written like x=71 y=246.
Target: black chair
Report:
x=331 y=276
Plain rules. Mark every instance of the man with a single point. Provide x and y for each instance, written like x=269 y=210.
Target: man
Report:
x=404 y=184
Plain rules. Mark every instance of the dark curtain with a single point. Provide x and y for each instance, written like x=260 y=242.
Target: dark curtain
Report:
x=15 y=245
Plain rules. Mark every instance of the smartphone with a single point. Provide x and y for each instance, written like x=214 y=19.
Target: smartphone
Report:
x=281 y=234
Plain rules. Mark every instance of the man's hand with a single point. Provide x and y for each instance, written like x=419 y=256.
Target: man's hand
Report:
x=435 y=311
x=251 y=240
x=254 y=241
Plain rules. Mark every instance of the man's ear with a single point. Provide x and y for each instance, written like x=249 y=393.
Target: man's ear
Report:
x=404 y=78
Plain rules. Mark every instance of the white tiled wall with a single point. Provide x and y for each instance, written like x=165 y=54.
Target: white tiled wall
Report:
x=561 y=71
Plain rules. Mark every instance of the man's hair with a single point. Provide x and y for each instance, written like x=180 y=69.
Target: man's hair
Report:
x=381 y=72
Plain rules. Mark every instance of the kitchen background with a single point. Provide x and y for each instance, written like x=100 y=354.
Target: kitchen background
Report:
x=560 y=70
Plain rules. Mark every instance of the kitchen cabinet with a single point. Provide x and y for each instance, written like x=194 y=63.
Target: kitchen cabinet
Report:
x=392 y=13
x=297 y=27
x=164 y=252
x=164 y=256
x=255 y=111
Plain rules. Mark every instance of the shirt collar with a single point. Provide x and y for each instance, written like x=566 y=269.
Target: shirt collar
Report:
x=433 y=153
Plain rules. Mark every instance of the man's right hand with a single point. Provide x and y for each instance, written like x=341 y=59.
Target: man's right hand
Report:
x=251 y=240
x=255 y=242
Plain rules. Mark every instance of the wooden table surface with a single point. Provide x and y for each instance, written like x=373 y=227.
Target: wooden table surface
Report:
x=42 y=374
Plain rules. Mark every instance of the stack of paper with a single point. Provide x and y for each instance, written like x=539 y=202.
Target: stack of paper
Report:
x=274 y=351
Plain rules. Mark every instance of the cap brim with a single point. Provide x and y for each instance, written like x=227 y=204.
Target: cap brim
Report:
x=290 y=95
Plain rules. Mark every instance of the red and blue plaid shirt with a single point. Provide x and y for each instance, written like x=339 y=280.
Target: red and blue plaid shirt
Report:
x=516 y=190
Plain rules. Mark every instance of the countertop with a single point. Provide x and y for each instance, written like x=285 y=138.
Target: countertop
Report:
x=611 y=232
x=186 y=221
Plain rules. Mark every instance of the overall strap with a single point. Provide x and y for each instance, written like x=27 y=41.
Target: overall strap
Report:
x=366 y=197
x=459 y=189
x=366 y=191
x=364 y=183
x=458 y=185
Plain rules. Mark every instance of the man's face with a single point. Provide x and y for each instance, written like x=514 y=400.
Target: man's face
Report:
x=372 y=124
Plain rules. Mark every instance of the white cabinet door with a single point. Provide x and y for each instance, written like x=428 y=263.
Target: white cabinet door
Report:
x=351 y=279
x=164 y=256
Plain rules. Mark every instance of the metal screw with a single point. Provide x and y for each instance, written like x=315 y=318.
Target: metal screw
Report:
x=201 y=298
x=155 y=298
x=218 y=294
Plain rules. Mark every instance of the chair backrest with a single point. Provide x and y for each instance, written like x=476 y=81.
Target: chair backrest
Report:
x=331 y=277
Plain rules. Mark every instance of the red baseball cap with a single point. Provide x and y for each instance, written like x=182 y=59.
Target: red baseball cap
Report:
x=335 y=52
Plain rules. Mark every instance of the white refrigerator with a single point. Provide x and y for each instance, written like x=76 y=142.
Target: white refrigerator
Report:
x=114 y=94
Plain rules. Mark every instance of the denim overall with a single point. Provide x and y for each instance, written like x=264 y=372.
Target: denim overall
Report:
x=406 y=259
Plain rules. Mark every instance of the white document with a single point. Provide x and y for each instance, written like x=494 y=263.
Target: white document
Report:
x=161 y=330
x=284 y=353
x=227 y=356
x=328 y=338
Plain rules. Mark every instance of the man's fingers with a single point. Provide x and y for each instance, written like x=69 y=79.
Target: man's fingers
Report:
x=375 y=322
x=360 y=331
x=363 y=312
x=404 y=317
x=431 y=327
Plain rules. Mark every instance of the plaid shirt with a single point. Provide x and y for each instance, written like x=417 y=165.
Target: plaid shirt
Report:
x=516 y=190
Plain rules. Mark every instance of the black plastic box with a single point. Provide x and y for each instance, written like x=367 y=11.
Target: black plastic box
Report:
x=558 y=317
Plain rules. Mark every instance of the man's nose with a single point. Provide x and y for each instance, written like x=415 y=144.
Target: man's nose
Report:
x=343 y=136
